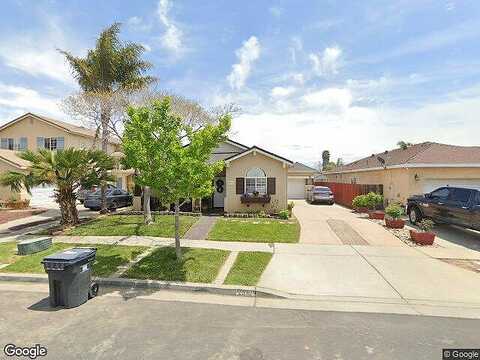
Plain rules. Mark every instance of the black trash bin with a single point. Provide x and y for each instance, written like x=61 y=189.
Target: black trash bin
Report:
x=69 y=276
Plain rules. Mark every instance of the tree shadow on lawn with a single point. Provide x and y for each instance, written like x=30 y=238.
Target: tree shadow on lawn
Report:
x=106 y=265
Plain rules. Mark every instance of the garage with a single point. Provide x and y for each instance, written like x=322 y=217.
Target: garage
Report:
x=431 y=184
x=42 y=196
x=296 y=188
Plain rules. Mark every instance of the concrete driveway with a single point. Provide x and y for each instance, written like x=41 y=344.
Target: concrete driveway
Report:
x=336 y=225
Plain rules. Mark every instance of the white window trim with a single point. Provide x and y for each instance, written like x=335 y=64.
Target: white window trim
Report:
x=264 y=187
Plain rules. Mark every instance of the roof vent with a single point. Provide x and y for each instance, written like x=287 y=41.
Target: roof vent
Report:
x=386 y=152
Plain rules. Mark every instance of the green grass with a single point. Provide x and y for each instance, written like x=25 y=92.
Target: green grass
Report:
x=256 y=230
x=196 y=265
x=248 y=267
x=108 y=259
x=7 y=252
x=125 y=225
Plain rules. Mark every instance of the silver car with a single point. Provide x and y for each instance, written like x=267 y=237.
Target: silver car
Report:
x=321 y=194
x=84 y=192
x=115 y=198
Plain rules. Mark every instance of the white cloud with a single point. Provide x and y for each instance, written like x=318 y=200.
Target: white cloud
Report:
x=172 y=39
x=328 y=62
x=247 y=55
x=280 y=91
x=20 y=100
x=331 y=99
x=147 y=47
x=138 y=23
x=306 y=124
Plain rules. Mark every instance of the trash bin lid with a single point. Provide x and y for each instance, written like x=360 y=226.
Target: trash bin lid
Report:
x=71 y=255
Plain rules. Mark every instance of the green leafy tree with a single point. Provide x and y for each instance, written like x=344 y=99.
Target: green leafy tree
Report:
x=154 y=144
x=66 y=170
x=325 y=159
x=109 y=70
x=404 y=145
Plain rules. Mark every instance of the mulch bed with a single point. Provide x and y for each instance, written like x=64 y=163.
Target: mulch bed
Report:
x=9 y=215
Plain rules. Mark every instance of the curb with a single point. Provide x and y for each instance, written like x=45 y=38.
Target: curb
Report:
x=245 y=291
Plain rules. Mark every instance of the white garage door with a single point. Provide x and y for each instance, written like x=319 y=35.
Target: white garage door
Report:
x=42 y=196
x=296 y=188
x=432 y=184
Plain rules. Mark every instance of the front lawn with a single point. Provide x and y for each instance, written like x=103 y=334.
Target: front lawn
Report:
x=197 y=265
x=247 y=268
x=108 y=259
x=126 y=225
x=256 y=230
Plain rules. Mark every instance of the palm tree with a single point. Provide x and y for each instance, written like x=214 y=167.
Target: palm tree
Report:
x=108 y=69
x=66 y=170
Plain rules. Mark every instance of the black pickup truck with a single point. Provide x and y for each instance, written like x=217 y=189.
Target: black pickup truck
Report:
x=450 y=205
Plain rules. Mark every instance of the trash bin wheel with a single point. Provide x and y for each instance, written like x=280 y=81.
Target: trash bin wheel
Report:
x=93 y=290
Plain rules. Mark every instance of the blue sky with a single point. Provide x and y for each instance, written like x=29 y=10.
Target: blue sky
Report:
x=353 y=77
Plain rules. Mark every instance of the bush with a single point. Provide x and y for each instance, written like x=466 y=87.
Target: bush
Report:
x=426 y=225
x=395 y=211
x=373 y=200
x=283 y=214
x=359 y=201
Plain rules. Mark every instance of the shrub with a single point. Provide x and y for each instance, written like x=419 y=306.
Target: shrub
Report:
x=283 y=214
x=373 y=200
x=359 y=201
x=395 y=211
x=426 y=225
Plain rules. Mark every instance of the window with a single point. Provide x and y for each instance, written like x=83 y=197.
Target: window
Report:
x=256 y=181
x=461 y=195
x=441 y=193
x=51 y=143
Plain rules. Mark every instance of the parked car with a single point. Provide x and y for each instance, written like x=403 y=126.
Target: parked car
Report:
x=450 y=205
x=320 y=194
x=115 y=198
x=84 y=192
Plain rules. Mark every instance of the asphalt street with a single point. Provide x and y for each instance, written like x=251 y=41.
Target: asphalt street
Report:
x=129 y=327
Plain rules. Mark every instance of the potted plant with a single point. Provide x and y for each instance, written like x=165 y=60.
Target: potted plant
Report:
x=394 y=212
x=425 y=236
x=359 y=204
x=373 y=200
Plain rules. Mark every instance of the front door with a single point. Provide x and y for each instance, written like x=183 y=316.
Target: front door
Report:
x=219 y=194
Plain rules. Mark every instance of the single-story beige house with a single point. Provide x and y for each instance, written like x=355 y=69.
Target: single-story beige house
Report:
x=418 y=169
x=255 y=179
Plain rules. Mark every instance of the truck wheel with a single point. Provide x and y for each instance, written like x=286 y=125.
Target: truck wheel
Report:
x=414 y=215
x=93 y=290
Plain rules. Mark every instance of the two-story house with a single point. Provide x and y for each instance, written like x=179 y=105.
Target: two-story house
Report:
x=32 y=132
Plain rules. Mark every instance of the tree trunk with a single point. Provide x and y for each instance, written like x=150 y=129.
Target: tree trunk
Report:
x=68 y=206
x=178 y=250
x=105 y=119
x=147 y=213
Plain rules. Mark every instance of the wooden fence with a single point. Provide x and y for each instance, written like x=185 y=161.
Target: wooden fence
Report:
x=345 y=193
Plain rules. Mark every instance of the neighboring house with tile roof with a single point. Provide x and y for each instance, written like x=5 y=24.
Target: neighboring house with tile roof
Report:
x=419 y=168
x=32 y=132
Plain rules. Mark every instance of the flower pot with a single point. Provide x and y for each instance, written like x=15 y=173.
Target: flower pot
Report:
x=377 y=215
x=422 y=238
x=394 y=223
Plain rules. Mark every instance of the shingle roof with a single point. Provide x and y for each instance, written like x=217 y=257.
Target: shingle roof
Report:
x=12 y=158
x=429 y=153
x=299 y=167
x=80 y=130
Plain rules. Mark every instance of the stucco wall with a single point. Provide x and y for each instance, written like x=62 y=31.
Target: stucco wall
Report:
x=5 y=192
x=31 y=128
x=399 y=184
x=272 y=168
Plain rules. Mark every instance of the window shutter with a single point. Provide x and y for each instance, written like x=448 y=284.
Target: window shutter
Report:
x=239 y=185
x=271 y=186
x=60 y=143
x=40 y=142
x=4 y=143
